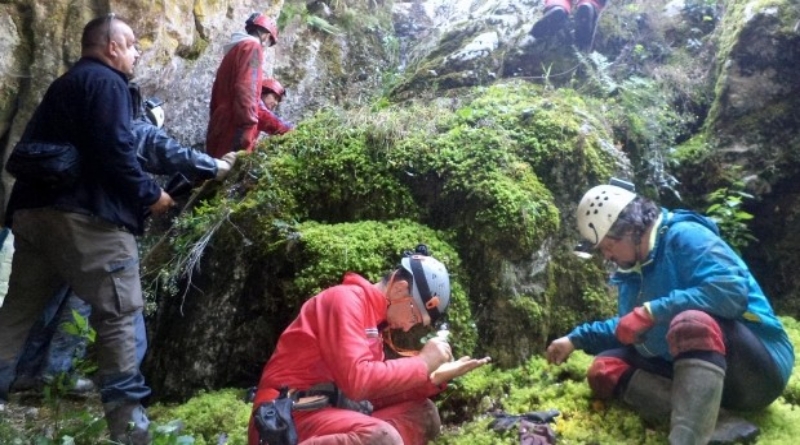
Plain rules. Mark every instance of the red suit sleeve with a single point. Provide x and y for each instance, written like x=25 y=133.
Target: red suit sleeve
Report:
x=357 y=368
x=269 y=123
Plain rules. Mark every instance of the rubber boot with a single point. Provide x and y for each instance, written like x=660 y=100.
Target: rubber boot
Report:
x=649 y=395
x=585 y=21
x=127 y=423
x=551 y=22
x=731 y=429
x=696 y=395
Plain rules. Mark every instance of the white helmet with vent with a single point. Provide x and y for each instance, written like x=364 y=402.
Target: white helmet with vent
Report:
x=599 y=209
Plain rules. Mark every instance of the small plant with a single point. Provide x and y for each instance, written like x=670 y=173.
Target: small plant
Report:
x=70 y=426
x=598 y=69
x=320 y=24
x=726 y=211
x=169 y=434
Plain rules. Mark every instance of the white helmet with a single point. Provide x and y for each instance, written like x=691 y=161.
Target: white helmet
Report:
x=431 y=288
x=599 y=209
x=154 y=111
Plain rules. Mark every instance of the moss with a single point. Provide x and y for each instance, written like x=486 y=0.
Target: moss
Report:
x=324 y=252
x=537 y=386
x=428 y=73
x=208 y=415
x=693 y=151
x=195 y=50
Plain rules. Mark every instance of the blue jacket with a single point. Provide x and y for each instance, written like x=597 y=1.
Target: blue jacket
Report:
x=690 y=267
x=160 y=154
x=90 y=107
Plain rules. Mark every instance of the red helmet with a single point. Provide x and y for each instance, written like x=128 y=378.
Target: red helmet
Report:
x=265 y=23
x=273 y=86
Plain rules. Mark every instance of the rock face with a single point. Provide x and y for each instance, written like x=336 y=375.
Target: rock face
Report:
x=754 y=125
x=659 y=74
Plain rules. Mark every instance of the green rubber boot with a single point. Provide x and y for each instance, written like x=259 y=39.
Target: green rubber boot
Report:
x=696 y=395
x=649 y=395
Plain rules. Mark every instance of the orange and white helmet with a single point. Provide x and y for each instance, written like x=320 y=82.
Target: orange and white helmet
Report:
x=272 y=85
x=259 y=20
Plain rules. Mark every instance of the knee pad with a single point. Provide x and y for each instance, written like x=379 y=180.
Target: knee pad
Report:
x=383 y=434
x=604 y=375
x=695 y=331
x=432 y=423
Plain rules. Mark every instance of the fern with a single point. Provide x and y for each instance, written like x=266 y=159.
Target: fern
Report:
x=323 y=25
x=598 y=69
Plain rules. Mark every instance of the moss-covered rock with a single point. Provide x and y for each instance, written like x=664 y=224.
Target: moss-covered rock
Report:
x=349 y=190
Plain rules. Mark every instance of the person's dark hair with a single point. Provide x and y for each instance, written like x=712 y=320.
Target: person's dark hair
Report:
x=634 y=219
x=402 y=275
x=98 y=31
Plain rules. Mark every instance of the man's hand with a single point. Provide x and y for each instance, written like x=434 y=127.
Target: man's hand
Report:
x=632 y=326
x=559 y=350
x=450 y=370
x=163 y=204
x=435 y=353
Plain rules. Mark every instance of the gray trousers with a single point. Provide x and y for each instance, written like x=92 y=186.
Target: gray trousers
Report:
x=100 y=262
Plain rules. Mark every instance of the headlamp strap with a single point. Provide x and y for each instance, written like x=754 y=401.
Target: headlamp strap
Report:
x=430 y=302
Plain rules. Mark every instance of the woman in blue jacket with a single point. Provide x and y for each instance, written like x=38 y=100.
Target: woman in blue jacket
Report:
x=693 y=332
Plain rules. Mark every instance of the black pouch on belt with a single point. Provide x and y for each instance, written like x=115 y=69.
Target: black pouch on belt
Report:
x=324 y=395
x=51 y=164
x=274 y=421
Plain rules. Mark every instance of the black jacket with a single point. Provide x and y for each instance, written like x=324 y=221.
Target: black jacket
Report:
x=90 y=107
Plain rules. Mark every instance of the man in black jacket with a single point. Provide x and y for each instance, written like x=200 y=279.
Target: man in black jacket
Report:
x=83 y=235
x=51 y=350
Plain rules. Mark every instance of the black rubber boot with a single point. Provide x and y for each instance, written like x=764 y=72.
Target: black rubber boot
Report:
x=585 y=21
x=550 y=23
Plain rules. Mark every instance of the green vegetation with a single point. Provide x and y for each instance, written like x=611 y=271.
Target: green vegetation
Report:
x=726 y=211
x=209 y=415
